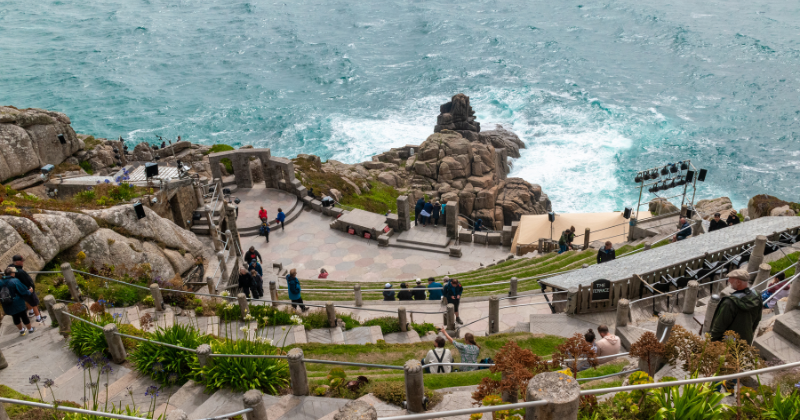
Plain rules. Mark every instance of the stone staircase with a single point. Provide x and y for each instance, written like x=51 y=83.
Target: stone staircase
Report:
x=200 y=226
x=783 y=342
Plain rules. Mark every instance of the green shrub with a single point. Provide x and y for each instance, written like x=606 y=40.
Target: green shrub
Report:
x=315 y=320
x=228 y=165
x=86 y=339
x=388 y=324
x=395 y=393
x=219 y=148
x=166 y=365
x=243 y=374
x=198 y=311
x=86 y=166
x=148 y=301
x=423 y=328
x=90 y=143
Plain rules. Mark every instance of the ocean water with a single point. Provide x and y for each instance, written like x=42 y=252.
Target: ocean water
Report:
x=596 y=90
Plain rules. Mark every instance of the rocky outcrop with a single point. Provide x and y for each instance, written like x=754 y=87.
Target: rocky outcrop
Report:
x=661 y=206
x=29 y=140
x=765 y=205
x=457 y=115
x=501 y=138
x=707 y=208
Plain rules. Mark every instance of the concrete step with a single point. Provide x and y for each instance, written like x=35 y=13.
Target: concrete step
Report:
x=223 y=401
x=364 y=335
x=559 y=325
x=402 y=338
x=788 y=326
x=629 y=334
x=774 y=347
x=303 y=408
x=190 y=396
x=325 y=336
x=395 y=244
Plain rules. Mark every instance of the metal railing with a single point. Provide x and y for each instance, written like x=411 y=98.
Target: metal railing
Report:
x=229 y=415
x=70 y=409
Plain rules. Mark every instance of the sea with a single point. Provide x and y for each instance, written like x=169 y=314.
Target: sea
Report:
x=596 y=90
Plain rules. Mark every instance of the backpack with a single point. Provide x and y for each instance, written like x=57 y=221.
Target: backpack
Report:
x=487 y=361
x=264 y=230
x=5 y=294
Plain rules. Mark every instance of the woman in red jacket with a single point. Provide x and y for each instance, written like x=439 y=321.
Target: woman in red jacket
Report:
x=262 y=214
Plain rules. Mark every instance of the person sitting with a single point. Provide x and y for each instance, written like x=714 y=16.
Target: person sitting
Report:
x=685 y=232
x=469 y=352
x=608 y=345
x=775 y=286
x=717 y=223
x=404 y=293
x=606 y=254
x=419 y=291
x=388 y=295
x=323 y=273
x=434 y=289
x=439 y=354
x=262 y=214
x=477 y=226
x=327 y=201
x=590 y=338
x=311 y=194
x=733 y=218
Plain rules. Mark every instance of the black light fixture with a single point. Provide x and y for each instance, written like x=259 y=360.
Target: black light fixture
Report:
x=638 y=178
x=701 y=176
x=140 y=214
x=684 y=166
x=150 y=170
x=627 y=213
x=673 y=168
x=654 y=174
x=681 y=181
x=237 y=200
x=646 y=175
x=689 y=176
x=226 y=191
x=551 y=217
x=672 y=183
x=664 y=171
x=652 y=189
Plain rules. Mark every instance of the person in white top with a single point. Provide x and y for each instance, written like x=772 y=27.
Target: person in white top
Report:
x=439 y=354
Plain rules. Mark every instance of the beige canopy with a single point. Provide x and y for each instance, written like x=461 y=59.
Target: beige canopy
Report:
x=533 y=227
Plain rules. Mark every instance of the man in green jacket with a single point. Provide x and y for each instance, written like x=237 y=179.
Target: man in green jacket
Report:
x=740 y=312
x=565 y=242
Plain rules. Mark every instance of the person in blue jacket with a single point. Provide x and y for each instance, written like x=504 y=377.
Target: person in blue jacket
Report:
x=436 y=292
x=417 y=209
x=254 y=265
x=294 y=289
x=685 y=232
x=281 y=217
x=452 y=291
x=427 y=212
x=11 y=298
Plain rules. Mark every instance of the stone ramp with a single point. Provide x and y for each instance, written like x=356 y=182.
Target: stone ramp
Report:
x=783 y=342
x=560 y=325
x=364 y=335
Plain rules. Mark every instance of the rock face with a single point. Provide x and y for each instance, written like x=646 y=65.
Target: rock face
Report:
x=764 y=205
x=457 y=115
x=29 y=140
x=501 y=138
x=707 y=208
x=661 y=206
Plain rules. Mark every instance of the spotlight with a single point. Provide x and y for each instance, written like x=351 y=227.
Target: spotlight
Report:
x=652 y=189
x=681 y=181
x=646 y=175
x=150 y=169
x=627 y=213
x=551 y=217
x=664 y=171
x=672 y=183
x=701 y=176
x=684 y=166
x=638 y=178
x=237 y=200
x=673 y=168
x=654 y=174
x=154 y=200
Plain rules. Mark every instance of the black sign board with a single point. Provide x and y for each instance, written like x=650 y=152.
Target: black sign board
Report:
x=601 y=290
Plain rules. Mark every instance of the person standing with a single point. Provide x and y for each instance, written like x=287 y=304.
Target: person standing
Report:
x=437 y=210
x=418 y=209
x=12 y=298
x=434 y=289
x=254 y=265
x=281 y=217
x=717 y=223
x=262 y=214
x=439 y=354
x=469 y=352
x=444 y=214
x=685 y=232
x=565 y=241
x=404 y=293
x=264 y=229
x=452 y=291
x=251 y=255
x=246 y=283
x=427 y=211
x=258 y=284
x=388 y=294
x=606 y=254
x=419 y=291
x=609 y=344
x=740 y=312
x=293 y=284
x=31 y=300
x=733 y=218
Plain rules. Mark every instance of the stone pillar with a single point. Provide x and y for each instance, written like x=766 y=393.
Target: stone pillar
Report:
x=203 y=354
x=231 y=214
x=586 y=238
x=253 y=399
x=451 y=317
x=212 y=229
x=401 y=315
x=697 y=228
x=357 y=410
x=415 y=388
x=690 y=297
x=761 y=276
x=198 y=194
x=212 y=289
x=3 y=365
x=223 y=267
x=357 y=293
x=114 y=341
x=49 y=303
x=158 y=301
x=243 y=308
x=623 y=311
x=273 y=293
x=231 y=244
x=757 y=257
x=403 y=214
x=331 y=311
x=562 y=393
x=711 y=309
x=64 y=321
x=665 y=323
x=794 y=296
x=512 y=288
x=297 y=372
x=72 y=284
x=647 y=247
x=451 y=218
x=572 y=300
x=494 y=315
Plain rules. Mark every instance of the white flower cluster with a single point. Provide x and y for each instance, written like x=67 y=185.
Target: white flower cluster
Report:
x=229 y=306
x=225 y=293
x=296 y=319
x=248 y=317
x=243 y=329
x=265 y=340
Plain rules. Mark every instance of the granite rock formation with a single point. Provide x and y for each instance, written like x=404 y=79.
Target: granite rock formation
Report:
x=457 y=115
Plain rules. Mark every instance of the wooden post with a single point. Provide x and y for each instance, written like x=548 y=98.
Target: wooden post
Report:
x=586 y=239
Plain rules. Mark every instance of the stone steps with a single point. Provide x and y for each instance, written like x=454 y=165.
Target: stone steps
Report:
x=788 y=327
x=393 y=243
x=773 y=346
x=223 y=401
x=560 y=325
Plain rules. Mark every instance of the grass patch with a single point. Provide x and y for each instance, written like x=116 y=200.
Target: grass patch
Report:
x=15 y=410
x=86 y=166
x=612 y=384
x=89 y=143
x=219 y=148
x=784 y=262
x=602 y=370
x=380 y=199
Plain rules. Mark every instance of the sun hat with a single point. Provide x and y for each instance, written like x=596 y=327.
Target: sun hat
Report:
x=387 y=285
x=419 y=281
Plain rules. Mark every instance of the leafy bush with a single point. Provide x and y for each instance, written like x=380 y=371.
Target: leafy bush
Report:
x=166 y=365
x=86 y=166
x=243 y=374
x=395 y=393
x=388 y=324
x=148 y=301
x=697 y=401
x=86 y=339
x=219 y=148
x=423 y=328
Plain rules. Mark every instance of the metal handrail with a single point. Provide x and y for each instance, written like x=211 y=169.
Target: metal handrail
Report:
x=114 y=280
x=772 y=296
x=485 y=409
x=43 y=272
x=774 y=275
x=70 y=409
x=535 y=303
x=229 y=415
x=624 y=372
x=156 y=342
x=81 y=319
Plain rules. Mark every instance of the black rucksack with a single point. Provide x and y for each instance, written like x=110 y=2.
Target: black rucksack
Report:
x=5 y=294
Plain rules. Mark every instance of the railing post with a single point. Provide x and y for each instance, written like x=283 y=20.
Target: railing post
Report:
x=177 y=414
x=512 y=287
x=357 y=292
x=794 y=295
x=761 y=276
x=64 y=321
x=243 y=309
x=647 y=247
x=666 y=321
x=114 y=341
x=72 y=284
x=572 y=300
x=451 y=317
x=203 y=354
x=415 y=387
x=158 y=301
x=212 y=288
x=357 y=410
x=253 y=399
x=223 y=268
x=698 y=226
x=212 y=230
x=49 y=302
x=297 y=372
x=586 y=239
x=711 y=309
x=757 y=257
x=623 y=311
x=561 y=392
x=3 y=365
x=494 y=315
x=273 y=293
x=690 y=297
x=231 y=244
x=331 y=311
x=403 y=318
